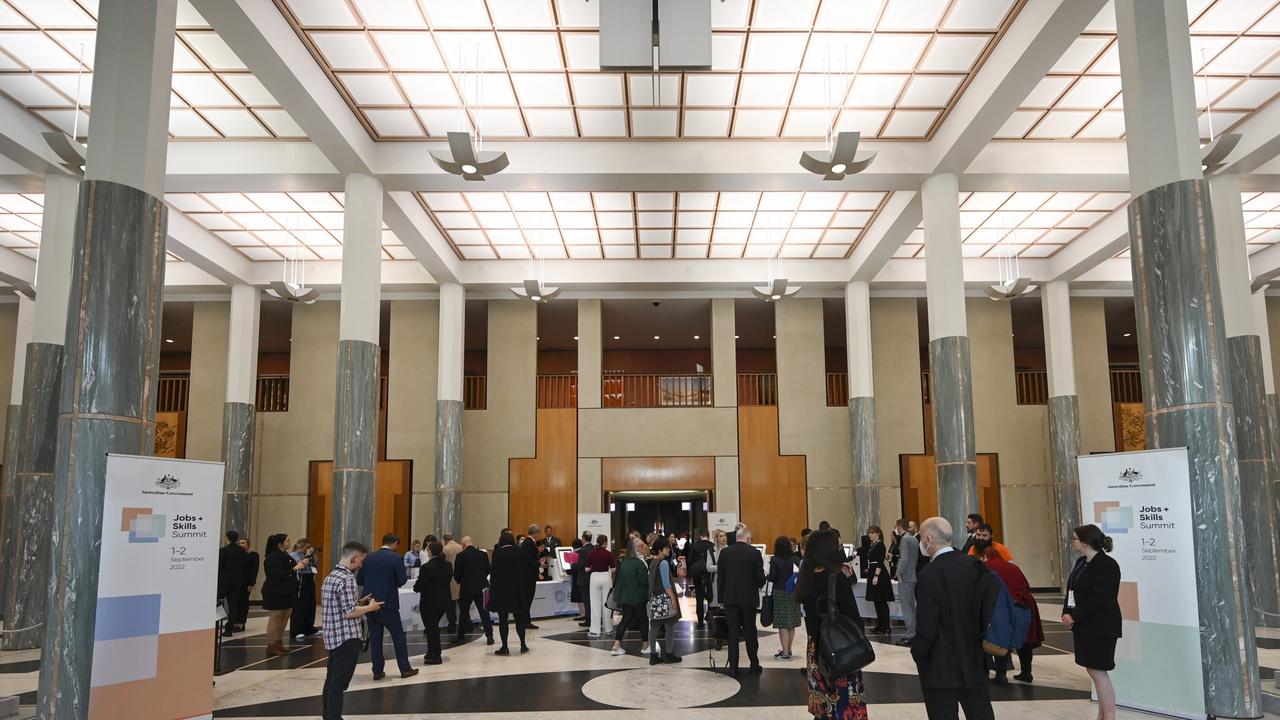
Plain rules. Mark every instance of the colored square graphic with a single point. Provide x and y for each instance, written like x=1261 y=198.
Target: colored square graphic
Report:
x=1112 y=517
x=142 y=525
x=127 y=616
x=126 y=639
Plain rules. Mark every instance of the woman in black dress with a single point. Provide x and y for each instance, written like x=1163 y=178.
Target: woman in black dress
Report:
x=508 y=592
x=1092 y=612
x=879 y=587
x=575 y=592
x=279 y=590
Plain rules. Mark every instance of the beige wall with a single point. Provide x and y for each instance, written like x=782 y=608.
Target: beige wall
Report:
x=727 y=488
x=1093 y=375
x=207 y=394
x=287 y=442
x=806 y=426
x=506 y=428
x=1273 y=327
x=1018 y=434
x=895 y=363
x=8 y=347
x=657 y=432
x=411 y=405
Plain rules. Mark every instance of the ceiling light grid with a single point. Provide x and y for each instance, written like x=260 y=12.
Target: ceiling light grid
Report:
x=1261 y=219
x=20 y=217
x=398 y=70
x=652 y=225
x=1033 y=224
x=272 y=226
x=1080 y=97
x=214 y=95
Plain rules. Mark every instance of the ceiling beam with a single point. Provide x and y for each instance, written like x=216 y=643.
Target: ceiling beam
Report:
x=900 y=215
x=1098 y=243
x=192 y=242
x=1260 y=141
x=1264 y=265
x=16 y=268
x=406 y=218
x=21 y=140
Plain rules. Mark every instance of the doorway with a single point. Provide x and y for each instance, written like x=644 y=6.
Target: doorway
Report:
x=920 y=489
x=661 y=511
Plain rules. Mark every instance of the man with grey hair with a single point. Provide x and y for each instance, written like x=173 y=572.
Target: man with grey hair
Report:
x=739 y=577
x=529 y=567
x=952 y=608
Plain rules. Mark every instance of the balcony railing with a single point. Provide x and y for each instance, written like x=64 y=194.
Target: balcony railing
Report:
x=557 y=391
x=273 y=393
x=656 y=390
x=1126 y=385
x=474 y=393
x=757 y=388
x=1032 y=386
x=837 y=389
x=172 y=393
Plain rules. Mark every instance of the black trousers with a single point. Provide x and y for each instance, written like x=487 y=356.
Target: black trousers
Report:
x=945 y=703
x=742 y=624
x=228 y=599
x=242 y=605
x=388 y=619
x=431 y=619
x=1005 y=664
x=303 y=619
x=633 y=618
x=338 y=671
x=451 y=612
x=882 y=614
x=701 y=590
x=464 y=614
x=522 y=620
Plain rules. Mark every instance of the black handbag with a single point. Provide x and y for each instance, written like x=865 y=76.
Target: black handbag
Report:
x=766 y=606
x=842 y=647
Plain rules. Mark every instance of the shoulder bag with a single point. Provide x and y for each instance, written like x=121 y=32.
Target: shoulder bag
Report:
x=843 y=649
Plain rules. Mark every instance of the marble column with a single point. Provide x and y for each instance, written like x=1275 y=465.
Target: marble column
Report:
x=1064 y=420
x=449 y=411
x=1182 y=347
x=9 y=504
x=238 y=412
x=108 y=395
x=1249 y=400
x=862 y=404
x=355 y=434
x=1259 y=302
x=950 y=371
x=35 y=429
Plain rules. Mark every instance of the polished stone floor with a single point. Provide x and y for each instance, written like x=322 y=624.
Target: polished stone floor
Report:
x=569 y=676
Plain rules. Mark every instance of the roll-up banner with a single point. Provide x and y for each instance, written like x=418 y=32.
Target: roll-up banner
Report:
x=595 y=523
x=153 y=639
x=1142 y=500
x=725 y=521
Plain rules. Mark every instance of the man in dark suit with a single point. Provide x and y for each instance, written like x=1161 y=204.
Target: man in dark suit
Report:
x=230 y=578
x=471 y=571
x=434 y=598
x=971 y=523
x=951 y=607
x=381 y=576
x=251 y=565
x=696 y=552
x=739 y=577
x=529 y=568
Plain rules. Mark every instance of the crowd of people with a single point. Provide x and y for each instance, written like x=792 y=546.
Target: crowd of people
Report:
x=947 y=598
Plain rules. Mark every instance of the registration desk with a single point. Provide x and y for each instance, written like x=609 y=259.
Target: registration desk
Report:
x=550 y=599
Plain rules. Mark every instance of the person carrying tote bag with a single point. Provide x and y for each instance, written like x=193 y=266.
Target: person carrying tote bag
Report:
x=662 y=608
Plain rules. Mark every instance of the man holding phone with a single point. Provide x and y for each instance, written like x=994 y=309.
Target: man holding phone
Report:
x=342 y=625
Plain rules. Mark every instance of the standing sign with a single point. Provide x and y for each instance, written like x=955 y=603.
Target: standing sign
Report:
x=725 y=521
x=1142 y=500
x=154 y=631
x=595 y=523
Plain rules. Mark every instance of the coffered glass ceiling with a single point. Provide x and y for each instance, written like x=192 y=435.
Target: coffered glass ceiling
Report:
x=1235 y=53
x=655 y=225
x=404 y=67
x=46 y=63
x=277 y=225
x=20 y=217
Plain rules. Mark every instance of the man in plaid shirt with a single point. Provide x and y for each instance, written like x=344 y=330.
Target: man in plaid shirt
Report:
x=342 y=613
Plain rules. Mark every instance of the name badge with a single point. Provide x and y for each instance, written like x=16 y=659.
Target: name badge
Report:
x=1071 y=599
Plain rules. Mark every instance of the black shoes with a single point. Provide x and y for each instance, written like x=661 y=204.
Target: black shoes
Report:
x=733 y=672
x=524 y=649
x=756 y=670
x=409 y=674
x=999 y=679
x=531 y=626
x=1023 y=676
x=671 y=659
x=379 y=675
x=488 y=640
x=429 y=660
x=905 y=642
x=502 y=651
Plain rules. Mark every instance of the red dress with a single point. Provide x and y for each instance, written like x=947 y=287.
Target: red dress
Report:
x=1020 y=590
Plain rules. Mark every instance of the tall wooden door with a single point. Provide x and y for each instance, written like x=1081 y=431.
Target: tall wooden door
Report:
x=920 y=489
x=391 y=508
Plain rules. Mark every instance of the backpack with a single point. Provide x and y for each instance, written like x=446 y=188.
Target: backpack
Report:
x=698 y=568
x=842 y=649
x=1005 y=627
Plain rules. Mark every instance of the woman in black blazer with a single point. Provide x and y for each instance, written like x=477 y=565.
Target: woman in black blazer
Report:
x=879 y=585
x=508 y=592
x=279 y=590
x=1092 y=612
x=434 y=598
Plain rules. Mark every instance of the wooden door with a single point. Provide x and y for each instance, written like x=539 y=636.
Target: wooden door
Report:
x=920 y=489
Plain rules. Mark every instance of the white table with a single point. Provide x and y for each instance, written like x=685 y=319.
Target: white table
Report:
x=550 y=599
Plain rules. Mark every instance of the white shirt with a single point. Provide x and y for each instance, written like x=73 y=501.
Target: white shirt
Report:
x=942 y=551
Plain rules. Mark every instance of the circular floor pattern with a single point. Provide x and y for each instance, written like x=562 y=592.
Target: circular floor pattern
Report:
x=660 y=687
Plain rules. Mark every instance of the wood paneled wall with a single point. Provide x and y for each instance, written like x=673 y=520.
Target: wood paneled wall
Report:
x=658 y=473
x=544 y=489
x=391 y=510
x=920 y=491
x=773 y=499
